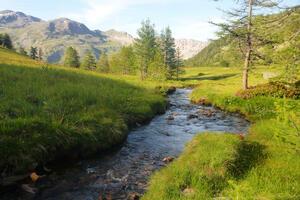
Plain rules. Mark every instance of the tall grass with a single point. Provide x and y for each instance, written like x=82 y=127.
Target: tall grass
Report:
x=48 y=112
x=264 y=165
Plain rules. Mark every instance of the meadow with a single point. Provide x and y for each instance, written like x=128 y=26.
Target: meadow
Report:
x=49 y=112
x=261 y=164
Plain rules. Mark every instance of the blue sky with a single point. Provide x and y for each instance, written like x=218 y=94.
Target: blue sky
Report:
x=187 y=18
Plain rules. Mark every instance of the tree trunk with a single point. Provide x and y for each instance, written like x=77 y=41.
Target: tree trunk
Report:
x=249 y=47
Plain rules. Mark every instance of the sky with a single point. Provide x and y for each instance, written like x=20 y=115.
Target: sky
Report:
x=187 y=18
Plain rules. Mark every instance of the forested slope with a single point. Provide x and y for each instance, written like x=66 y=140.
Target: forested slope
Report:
x=281 y=32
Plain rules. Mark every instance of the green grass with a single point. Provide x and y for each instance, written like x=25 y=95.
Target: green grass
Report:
x=265 y=165
x=48 y=112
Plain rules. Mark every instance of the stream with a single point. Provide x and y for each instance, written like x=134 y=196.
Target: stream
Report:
x=126 y=171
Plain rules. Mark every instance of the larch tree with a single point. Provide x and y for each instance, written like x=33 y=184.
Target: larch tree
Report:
x=240 y=26
x=145 y=47
x=71 y=58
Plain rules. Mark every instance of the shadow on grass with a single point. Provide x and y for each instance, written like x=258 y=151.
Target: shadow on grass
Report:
x=214 y=78
x=248 y=155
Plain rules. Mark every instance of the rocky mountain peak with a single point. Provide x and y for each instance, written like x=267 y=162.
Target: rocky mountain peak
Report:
x=122 y=37
x=13 y=19
x=65 y=26
x=190 y=47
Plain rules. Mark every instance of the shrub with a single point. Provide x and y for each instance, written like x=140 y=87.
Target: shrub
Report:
x=273 y=89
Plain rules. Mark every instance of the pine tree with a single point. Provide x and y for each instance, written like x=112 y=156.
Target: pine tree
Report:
x=127 y=60
x=179 y=63
x=89 y=61
x=33 y=53
x=71 y=58
x=145 y=47
x=169 y=52
x=157 y=69
x=5 y=41
x=103 y=64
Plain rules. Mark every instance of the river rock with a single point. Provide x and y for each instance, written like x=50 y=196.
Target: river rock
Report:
x=207 y=113
x=192 y=116
x=168 y=159
x=171 y=90
x=203 y=101
x=170 y=118
x=133 y=196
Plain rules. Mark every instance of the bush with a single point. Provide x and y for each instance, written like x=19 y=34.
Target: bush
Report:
x=273 y=89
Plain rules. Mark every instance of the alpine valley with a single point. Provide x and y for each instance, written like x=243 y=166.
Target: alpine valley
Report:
x=53 y=36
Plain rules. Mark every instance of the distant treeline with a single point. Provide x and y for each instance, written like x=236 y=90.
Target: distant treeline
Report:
x=151 y=56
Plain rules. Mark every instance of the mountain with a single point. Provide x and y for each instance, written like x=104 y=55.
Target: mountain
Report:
x=121 y=37
x=283 y=35
x=53 y=36
x=189 y=47
x=13 y=19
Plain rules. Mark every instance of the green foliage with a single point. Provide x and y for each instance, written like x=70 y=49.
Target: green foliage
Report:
x=81 y=113
x=145 y=47
x=157 y=69
x=103 y=64
x=264 y=164
x=89 y=61
x=71 y=58
x=273 y=89
x=5 y=41
x=124 y=61
x=33 y=53
x=279 y=43
x=167 y=43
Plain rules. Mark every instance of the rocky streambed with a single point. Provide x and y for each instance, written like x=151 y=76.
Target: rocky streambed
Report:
x=124 y=173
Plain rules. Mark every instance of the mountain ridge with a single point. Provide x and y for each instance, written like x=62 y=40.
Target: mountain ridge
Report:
x=55 y=35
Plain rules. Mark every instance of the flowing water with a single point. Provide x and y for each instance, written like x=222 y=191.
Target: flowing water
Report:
x=126 y=171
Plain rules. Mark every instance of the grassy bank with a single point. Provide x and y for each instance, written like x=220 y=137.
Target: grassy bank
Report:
x=263 y=165
x=48 y=112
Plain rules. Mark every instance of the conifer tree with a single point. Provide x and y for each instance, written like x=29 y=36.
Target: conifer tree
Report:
x=33 y=53
x=89 y=61
x=157 y=69
x=179 y=63
x=145 y=47
x=103 y=63
x=71 y=58
x=169 y=52
x=5 y=41
x=241 y=27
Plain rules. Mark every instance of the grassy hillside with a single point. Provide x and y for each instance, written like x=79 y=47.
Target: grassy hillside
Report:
x=226 y=52
x=48 y=112
x=264 y=164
